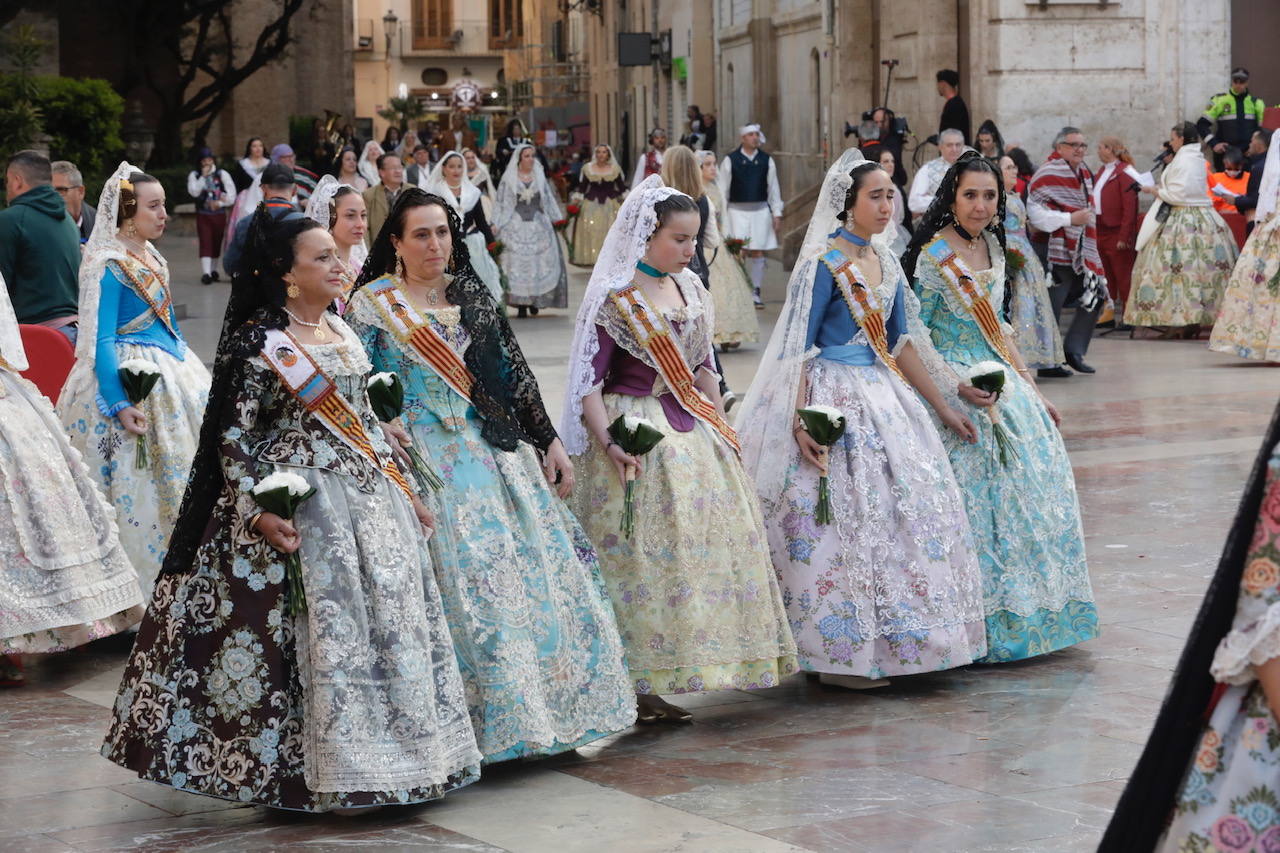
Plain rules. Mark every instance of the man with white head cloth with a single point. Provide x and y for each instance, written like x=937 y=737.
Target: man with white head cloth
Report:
x=929 y=178
x=748 y=179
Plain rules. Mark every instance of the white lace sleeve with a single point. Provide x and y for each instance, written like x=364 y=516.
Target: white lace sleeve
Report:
x=1247 y=646
x=930 y=280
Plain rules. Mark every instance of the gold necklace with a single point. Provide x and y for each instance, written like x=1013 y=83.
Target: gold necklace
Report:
x=317 y=329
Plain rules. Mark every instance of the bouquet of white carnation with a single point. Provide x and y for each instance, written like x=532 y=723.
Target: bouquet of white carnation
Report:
x=282 y=493
x=990 y=376
x=139 y=376
x=636 y=436
x=825 y=425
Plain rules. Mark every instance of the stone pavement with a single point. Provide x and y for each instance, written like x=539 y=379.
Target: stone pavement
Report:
x=1017 y=757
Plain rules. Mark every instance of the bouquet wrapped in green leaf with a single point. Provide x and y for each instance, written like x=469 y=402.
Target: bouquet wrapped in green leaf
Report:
x=386 y=396
x=139 y=377
x=636 y=436
x=990 y=376
x=825 y=425
x=282 y=493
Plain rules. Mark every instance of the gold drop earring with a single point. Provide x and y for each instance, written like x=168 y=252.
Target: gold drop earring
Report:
x=132 y=231
x=292 y=290
x=399 y=267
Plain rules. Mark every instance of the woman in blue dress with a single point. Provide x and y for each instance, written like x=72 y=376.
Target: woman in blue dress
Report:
x=1021 y=503
x=536 y=639
x=126 y=313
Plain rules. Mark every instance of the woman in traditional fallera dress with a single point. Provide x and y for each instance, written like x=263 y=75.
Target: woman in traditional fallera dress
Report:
x=599 y=190
x=532 y=257
x=1185 y=249
x=891 y=586
x=735 y=310
x=126 y=312
x=332 y=687
x=536 y=638
x=340 y=209
x=1249 y=323
x=694 y=589
x=1023 y=511
x=67 y=581
x=1209 y=777
x=1030 y=311
x=448 y=180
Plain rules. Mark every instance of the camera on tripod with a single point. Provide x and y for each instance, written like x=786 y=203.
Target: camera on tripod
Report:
x=897 y=124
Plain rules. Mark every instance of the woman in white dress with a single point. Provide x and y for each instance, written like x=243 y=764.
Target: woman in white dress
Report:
x=448 y=179
x=532 y=257
x=126 y=313
x=67 y=581
x=891 y=586
x=368 y=164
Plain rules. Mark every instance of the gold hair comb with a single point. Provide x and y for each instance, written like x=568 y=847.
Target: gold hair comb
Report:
x=126 y=184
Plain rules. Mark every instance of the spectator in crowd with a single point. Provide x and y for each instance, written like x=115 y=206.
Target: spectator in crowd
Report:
x=379 y=198
x=869 y=140
x=951 y=145
x=391 y=139
x=650 y=162
x=515 y=136
x=39 y=246
x=214 y=192
x=418 y=171
x=1059 y=203
x=1026 y=169
x=955 y=113
x=696 y=138
x=346 y=168
x=1231 y=182
x=1257 y=154
x=304 y=179
x=989 y=142
x=70 y=185
x=1115 y=204
x=460 y=136
x=1237 y=114
x=891 y=137
x=278 y=193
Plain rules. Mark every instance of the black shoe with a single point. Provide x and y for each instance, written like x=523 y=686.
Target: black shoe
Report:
x=1110 y=324
x=533 y=311
x=1058 y=372
x=1078 y=365
x=206 y=279
x=522 y=311
x=215 y=276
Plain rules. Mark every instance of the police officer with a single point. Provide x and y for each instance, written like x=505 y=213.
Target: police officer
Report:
x=1237 y=113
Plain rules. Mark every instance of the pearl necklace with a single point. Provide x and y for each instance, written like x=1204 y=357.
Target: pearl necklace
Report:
x=317 y=329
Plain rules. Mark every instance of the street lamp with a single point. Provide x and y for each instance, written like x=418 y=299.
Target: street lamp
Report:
x=390 y=24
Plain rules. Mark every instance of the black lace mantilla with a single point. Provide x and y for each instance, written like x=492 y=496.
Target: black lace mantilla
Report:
x=505 y=394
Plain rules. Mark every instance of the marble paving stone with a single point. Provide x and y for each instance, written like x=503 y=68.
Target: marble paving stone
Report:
x=60 y=810
x=557 y=813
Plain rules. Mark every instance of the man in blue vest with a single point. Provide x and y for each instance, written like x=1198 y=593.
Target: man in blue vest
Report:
x=748 y=180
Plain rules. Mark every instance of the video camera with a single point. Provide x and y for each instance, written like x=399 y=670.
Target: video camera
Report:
x=1167 y=151
x=897 y=124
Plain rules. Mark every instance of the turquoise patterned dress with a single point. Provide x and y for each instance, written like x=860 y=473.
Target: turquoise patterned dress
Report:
x=537 y=642
x=1025 y=515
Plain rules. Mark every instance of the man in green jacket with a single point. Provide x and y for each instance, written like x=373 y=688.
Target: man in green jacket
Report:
x=1237 y=113
x=39 y=246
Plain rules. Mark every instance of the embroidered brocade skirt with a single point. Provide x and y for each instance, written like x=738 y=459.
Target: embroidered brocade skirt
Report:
x=1182 y=272
x=146 y=500
x=1035 y=330
x=355 y=702
x=590 y=228
x=1248 y=325
x=537 y=642
x=697 y=598
x=891 y=586
x=735 y=310
x=67 y=581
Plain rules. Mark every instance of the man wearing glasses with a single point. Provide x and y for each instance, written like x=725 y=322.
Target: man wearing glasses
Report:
x=1237 y=113
x=1058 y=203
x=70 y=185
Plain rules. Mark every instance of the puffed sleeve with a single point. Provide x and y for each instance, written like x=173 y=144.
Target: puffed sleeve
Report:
x=112 y=398
x=824 y=287
x=895 y=324
x=1254 y=638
